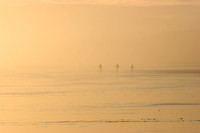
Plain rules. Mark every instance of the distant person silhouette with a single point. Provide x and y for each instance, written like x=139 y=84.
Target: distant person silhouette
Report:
x=100 y=67
x=132 y=67
x=117 y=67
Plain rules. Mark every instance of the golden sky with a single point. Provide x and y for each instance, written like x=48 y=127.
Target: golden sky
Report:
x=145 y=33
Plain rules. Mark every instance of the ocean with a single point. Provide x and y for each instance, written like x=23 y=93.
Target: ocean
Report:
x=140 y=101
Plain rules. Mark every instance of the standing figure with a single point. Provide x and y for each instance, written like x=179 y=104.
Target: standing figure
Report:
x=117 y=67
x=100 y=67
x=132 y=67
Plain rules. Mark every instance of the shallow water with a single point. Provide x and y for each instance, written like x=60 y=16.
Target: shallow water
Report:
x=139 y=101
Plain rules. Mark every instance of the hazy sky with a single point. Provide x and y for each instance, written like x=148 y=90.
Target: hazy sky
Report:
x=145 y=33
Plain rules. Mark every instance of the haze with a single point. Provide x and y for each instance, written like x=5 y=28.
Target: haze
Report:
x=85 y=33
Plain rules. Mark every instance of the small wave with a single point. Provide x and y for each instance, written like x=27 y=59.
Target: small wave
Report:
x=89 y=122
x=34 y=93
x=174 y=104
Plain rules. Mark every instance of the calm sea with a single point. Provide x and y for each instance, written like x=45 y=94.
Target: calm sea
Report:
x=165 y=101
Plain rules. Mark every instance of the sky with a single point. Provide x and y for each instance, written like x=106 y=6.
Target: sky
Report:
x=74 y=33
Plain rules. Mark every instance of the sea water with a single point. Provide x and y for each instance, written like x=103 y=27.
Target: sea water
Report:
x=165 y=101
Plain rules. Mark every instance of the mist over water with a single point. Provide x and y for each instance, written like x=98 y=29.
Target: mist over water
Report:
x=99 y=66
